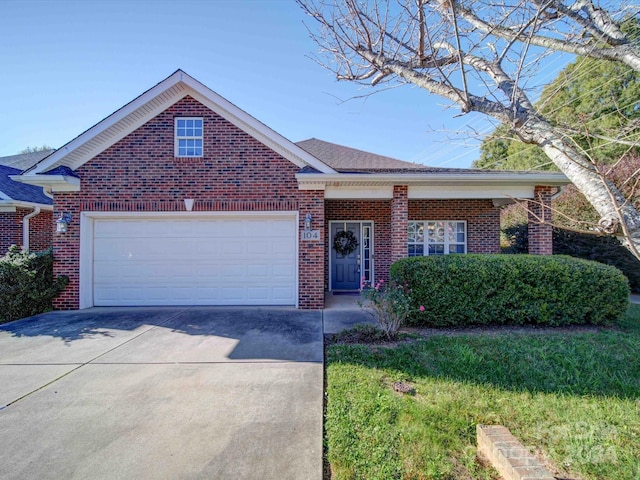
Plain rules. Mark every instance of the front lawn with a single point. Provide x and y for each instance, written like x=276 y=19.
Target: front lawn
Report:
x=572 y=397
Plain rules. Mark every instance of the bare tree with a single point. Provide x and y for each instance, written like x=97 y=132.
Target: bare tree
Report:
x=481 y=55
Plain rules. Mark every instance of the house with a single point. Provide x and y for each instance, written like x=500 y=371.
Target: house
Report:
x=25 y=211
x=182 y=198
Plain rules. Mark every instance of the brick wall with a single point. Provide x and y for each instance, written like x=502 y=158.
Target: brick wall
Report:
x=40 y=230
x=10 y=230
x=236 y=172
x=539 y=216
x=483 y=224
x=399 y=222
x=66 y=250
x=483 y=220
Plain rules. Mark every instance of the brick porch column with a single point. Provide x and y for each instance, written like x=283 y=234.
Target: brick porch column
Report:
x=399 y=222
x=311 y=252
x=540 y=230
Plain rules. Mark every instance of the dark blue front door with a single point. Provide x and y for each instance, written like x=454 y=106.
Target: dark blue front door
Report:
x=345 y=269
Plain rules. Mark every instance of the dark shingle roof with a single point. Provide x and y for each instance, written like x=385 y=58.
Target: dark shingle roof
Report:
x=350 y=160
x=20 y=191
x=22 y=161
x=346 y=159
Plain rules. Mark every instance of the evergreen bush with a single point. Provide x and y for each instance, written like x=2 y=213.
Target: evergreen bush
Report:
x=589 y=246
x=458 y=290
x=27 y=286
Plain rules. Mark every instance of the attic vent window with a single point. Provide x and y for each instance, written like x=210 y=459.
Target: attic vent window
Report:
x=188 y=137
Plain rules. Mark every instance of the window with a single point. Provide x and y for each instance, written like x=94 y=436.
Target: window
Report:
x=188 y=137
x=438 y=237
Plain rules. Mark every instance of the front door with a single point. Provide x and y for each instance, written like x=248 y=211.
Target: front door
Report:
x=348 y=268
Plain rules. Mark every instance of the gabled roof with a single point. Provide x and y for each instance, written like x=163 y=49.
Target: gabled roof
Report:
x=12 y=193
x=23 y=161
x=151 y=103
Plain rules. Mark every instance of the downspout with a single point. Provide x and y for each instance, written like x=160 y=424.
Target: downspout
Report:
x=25 y=228
x=558 y=193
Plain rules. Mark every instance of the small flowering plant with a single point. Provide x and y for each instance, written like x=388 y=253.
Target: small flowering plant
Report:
x=390 y=304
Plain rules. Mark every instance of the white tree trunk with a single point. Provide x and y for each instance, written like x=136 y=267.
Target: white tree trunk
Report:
x=617 y=212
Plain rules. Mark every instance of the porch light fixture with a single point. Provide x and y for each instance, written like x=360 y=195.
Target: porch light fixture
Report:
x=63 y=223
x=307 y=222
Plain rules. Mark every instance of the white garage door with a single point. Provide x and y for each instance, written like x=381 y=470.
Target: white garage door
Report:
x=226 y=260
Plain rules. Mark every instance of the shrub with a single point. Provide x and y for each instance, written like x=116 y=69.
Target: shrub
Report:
x=27 y=286
x=512 y=289
x=589 y=246
x=389 y=304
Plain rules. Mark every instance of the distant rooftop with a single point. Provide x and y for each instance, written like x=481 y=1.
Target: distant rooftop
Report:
x=22 y=161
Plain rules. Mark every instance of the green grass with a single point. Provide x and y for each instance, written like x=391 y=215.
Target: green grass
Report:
x=574 y=398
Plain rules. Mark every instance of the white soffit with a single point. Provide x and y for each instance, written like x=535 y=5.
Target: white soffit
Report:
x=479 y=191
x=154 y=101
x=495 y=180
x=369 y=193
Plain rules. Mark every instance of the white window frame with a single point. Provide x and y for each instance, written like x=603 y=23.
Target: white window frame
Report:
x=446 y=242
x=178 y=138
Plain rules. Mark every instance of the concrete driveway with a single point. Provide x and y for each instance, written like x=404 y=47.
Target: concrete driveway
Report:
x=162 y=393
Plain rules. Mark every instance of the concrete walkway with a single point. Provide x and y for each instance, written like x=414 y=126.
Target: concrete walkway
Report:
x=634 y=298
x=163 y=393
x=343 y=311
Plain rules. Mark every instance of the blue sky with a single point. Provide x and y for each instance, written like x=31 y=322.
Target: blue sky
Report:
x=67 y=64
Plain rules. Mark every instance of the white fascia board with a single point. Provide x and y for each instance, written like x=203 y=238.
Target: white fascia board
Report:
x=11 y=205
x=53 y=160
x=384 y=192
x=467 y=191
x=57 y=183
x=308 y=181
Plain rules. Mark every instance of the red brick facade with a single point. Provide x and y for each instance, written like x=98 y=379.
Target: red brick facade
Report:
x=483 y=225
x=236 y=172
x=483 y=220
x=540 y=229
x=40 y=230
x=10 y=230
x=399 y=222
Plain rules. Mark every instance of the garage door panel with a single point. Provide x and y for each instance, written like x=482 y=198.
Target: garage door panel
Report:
x=282 y=293
x=282 y=270
x=202 y=261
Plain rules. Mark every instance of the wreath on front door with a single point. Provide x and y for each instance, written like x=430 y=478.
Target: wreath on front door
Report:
x=345 y=242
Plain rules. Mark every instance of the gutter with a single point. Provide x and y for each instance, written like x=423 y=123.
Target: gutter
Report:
x=550 y=179
x=23 y=204
x=25 y=228
x=54 y=183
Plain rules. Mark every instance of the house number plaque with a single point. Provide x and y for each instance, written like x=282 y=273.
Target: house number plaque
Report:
x=309 y=235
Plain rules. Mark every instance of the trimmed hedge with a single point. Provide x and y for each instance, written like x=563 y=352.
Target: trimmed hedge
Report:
x=590 y=246
x=511 y=290
x=27 y=286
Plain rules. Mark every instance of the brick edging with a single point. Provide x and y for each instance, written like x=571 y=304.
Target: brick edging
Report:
x=508 y=456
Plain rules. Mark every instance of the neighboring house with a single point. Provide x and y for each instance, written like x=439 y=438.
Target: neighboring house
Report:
x=25 y=211
x=182 y=198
